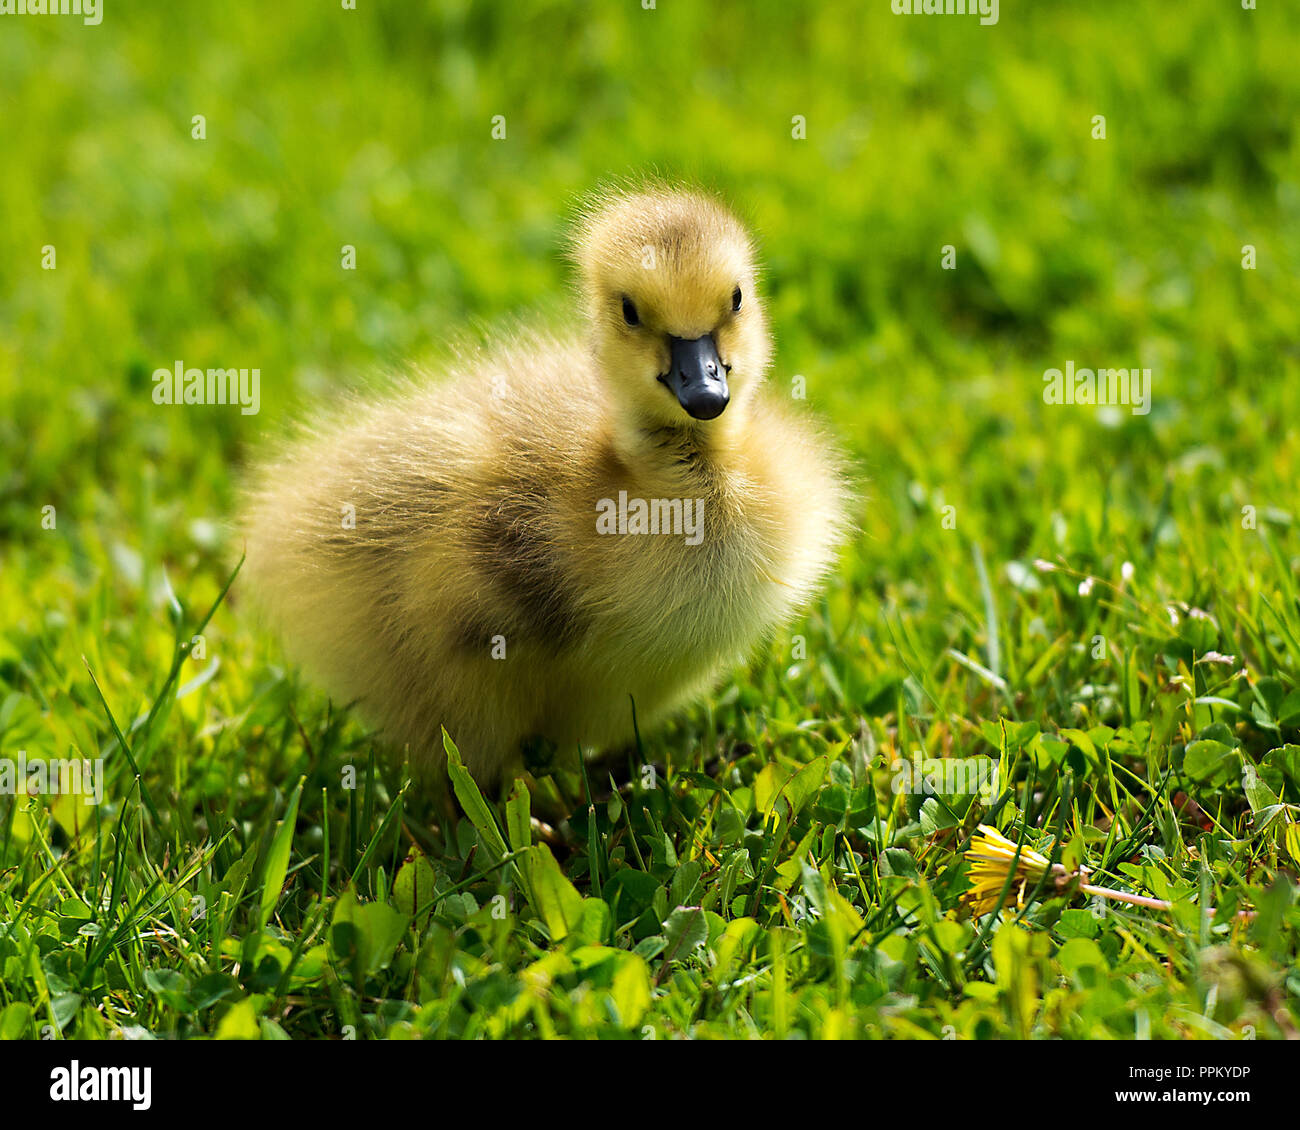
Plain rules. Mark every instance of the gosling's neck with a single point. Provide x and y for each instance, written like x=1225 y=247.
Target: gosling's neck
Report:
x=685 y=458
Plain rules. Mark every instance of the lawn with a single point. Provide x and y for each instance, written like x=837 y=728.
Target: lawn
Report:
x=1101 y=602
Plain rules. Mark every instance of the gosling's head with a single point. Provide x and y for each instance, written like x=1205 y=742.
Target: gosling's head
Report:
x=668 y=283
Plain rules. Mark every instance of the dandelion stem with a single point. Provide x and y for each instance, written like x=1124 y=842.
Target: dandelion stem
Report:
x=1122 y=896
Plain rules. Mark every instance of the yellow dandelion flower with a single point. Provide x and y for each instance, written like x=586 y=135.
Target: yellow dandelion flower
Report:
x=992 y=859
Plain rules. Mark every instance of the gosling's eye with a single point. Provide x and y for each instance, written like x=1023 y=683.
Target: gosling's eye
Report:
x=735 y=299
x=630 y=316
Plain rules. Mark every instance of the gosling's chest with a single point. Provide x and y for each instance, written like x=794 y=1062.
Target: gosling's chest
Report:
x=692 y=573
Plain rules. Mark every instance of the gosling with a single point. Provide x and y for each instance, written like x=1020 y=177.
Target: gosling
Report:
x=555 y=529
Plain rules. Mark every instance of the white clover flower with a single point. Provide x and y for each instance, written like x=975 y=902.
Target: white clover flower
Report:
x=1218 y=657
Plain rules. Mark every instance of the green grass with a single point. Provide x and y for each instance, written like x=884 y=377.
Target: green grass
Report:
x=765 y=880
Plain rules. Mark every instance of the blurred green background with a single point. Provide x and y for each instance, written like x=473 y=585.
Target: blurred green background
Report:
x=373 y=128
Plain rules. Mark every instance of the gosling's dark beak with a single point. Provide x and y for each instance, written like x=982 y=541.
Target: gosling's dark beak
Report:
x=697 y=377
